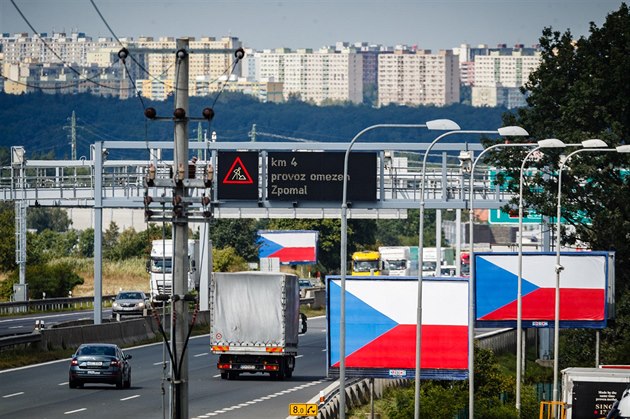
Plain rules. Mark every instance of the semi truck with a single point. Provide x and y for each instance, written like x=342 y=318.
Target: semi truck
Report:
x=255 y=322
x=160 y=267
x=396 y=261
x=591 y=393
x=366 y=263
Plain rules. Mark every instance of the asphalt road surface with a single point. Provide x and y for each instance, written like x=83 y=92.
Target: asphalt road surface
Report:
x=41 y=391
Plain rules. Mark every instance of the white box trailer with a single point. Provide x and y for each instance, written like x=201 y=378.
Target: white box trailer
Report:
x=255 y=322
x=160 y=267
x=590 y=393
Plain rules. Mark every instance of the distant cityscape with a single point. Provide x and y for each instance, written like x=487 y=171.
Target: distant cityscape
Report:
x=342 y=73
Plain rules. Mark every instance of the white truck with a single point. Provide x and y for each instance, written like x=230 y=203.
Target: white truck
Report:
x=160 y=267
x=591 y=393
x=255 y=321
x=396 y=260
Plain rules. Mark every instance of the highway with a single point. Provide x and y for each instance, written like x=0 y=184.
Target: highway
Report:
x=41 y=391
x=25 y=324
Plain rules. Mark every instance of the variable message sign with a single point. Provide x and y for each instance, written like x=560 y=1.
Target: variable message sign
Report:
x=314 y=176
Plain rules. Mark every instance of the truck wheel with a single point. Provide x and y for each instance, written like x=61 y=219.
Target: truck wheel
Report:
x=224 y=375
x=232 y=375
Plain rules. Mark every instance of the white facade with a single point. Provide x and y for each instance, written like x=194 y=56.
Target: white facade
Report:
x=418 y=78
x=318 y=77
x=498 y=78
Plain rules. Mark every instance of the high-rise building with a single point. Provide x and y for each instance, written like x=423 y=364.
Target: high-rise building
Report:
x=499 y=77
x=417 y=78
x=319 y=77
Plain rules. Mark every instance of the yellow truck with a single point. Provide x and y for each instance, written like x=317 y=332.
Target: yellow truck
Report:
x=366 y=263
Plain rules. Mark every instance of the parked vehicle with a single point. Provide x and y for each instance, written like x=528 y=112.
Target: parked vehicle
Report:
x=130 y=303
x=160 y=267
x=102 y=363
x=255 y=322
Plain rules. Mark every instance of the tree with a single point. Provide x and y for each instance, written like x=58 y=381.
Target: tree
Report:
x=7 y=236
x=239 y=234
x=581 y=91
x=40 y=219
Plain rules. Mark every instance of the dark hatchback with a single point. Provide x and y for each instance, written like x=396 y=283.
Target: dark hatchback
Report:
x=100 y=363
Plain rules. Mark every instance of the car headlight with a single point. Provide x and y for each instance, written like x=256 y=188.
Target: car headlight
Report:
x=115 y=304
x=141 y=305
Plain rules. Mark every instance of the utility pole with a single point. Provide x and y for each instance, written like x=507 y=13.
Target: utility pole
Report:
x=179 y=322
x=73 y=136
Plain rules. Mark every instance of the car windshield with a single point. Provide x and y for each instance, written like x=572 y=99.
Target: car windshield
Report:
x=158 y=264
x=130 y=296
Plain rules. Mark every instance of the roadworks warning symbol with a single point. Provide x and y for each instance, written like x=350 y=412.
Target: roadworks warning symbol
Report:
x=238 y=174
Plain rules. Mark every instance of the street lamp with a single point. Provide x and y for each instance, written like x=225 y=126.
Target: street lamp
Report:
x=503 y=131
x=546 y=143
x=437 y=124
x=601 y=147
x=471 y=281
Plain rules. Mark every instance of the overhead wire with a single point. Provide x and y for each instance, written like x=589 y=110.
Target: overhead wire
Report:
x=78 y=73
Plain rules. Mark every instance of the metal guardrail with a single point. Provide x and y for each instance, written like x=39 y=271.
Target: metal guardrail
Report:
x=50 y=304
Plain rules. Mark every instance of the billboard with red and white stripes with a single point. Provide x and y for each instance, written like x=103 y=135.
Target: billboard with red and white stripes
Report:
x=381 y=318
x=586 y=289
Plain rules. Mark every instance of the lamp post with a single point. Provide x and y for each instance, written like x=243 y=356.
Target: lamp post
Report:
x=471 y=281
x=592 y=144
x=438 y=124
x=547 y=143
x=503 y=131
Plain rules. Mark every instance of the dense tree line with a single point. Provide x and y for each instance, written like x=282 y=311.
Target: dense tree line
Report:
x=40 y=122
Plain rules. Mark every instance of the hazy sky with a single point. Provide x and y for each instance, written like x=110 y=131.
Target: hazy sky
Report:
x=259 y=24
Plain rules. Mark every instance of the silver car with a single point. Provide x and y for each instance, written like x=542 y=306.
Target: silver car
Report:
x=130 y=303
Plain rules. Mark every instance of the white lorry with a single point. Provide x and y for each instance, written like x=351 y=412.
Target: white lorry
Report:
x=255 y=322
x=160 y=267
x=396 y=260
x=591 y=393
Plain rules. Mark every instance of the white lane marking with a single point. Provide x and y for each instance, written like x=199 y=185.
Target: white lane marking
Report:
x=299 y=356
x=15 y=327
x=6 y=396
x=203 y=354
x=69 y=412
x=129 y=398
x=216 y=376
x=258 y=400
x=65 y=383
x=161 y=362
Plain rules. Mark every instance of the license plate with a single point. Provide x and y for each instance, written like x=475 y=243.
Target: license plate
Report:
x=94 y=364
x=94 y=372
x=248 y=367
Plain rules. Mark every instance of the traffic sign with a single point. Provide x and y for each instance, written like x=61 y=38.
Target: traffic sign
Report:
x=238 y=175
x=311 y=176
x=303 y=409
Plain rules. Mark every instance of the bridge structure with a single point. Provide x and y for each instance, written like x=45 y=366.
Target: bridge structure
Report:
x=106 y=180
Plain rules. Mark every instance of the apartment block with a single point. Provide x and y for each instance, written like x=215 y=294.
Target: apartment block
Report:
x=319 y=77
x=499 y=77
x=418 y=78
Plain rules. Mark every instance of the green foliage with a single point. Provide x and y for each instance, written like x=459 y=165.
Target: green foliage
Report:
x=238 y=234
x=85 y=245
x=7 y=236
x=40 y=219
x=55 y=279
x=227 y=259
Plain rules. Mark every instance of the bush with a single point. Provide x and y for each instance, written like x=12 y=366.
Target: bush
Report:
x=56 y=280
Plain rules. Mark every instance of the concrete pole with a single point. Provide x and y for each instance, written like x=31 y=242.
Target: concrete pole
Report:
x=180 y=322
x=98 y=232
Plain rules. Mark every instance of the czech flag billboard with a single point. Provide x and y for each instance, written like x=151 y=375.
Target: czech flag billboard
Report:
x=381 y=318
x=586 y=289
x=290 y=246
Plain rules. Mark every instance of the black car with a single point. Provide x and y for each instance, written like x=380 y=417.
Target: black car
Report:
x=100 y=363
